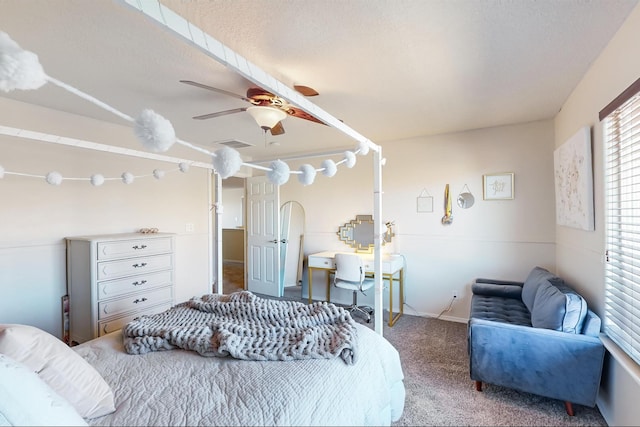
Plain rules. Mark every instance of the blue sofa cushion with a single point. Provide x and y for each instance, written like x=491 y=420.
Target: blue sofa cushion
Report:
x=558 y=308
x=537 y=276
x=500 y=309
x=497 y=290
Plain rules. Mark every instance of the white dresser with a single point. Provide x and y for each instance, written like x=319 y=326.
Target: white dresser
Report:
x=111 y=279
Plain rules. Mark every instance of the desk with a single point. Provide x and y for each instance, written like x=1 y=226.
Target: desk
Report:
x=391 y=265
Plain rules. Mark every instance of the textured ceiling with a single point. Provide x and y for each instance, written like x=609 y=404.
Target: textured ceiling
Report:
x=389 y=69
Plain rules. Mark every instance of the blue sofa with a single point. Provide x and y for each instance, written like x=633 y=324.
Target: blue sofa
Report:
x=536 y=336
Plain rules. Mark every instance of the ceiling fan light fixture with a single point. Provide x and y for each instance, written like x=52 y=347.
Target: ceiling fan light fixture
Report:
x=266 y=117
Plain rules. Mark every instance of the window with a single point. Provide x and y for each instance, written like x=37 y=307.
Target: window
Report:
x=622 y=222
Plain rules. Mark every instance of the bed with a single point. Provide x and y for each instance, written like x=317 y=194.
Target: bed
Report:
x=182 y=387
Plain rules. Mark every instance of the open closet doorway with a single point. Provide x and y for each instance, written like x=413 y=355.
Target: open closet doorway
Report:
x=233 y=223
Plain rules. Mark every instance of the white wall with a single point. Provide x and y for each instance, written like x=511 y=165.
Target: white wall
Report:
x=579 y=253
x=233 y=214
x=35 y=217
x=498 y=239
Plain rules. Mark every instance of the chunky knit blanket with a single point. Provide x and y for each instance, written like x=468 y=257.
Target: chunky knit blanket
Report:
x=245 y=326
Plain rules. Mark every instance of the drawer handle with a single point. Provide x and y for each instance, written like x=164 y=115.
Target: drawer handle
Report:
x=136 y=247
x=136 y=265
x=142 y=282
x=139 y=300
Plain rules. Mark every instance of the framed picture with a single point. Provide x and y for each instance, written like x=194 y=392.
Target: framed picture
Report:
x=497 y=186
x=574 y=182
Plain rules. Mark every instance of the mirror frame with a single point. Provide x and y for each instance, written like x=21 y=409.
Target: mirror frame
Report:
x=346 y=233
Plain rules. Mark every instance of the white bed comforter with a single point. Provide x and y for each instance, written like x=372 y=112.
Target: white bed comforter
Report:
x=179 y=387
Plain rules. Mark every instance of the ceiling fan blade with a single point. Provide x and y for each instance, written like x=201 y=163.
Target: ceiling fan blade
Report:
x=306 y=90
x=214 y=89
x=301 y=114
x=278 y=129
x=220 y=113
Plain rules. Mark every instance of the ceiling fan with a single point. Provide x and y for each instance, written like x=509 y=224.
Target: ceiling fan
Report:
x=266 y=108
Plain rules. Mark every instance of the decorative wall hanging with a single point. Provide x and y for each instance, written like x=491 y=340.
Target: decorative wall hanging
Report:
x=574 y=182
x=497 y=186
x=448 y=212
x=465 y=198
x=424 y=202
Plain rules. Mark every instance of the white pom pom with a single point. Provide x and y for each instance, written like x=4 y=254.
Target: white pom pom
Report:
x=19 y=69
x=351 y=159
x=184 y=167
x=97 y=180
x=158 y=174
x=227 y=162
x=330 y=168
x=127 y=177
x=154 y=131
x=364 y=148
x=308 y=174
x=1 y=172
x=54 y=178
x=279 y=173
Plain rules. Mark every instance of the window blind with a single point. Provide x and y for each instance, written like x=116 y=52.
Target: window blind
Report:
x=622 y=222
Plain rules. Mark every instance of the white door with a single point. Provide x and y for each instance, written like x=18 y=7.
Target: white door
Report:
x=263 y=237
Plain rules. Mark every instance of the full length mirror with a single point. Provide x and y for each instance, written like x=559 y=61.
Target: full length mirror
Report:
x=358 y=233
x=292 y=225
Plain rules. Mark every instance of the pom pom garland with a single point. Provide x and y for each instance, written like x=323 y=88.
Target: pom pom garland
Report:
x=329 y=168
x=19 y=69
x=350 y=159
x=227 y=162
x=279 y=173
x=97 y=180
x=308 y=174
x=363 y=148
x=127 y=177
x=54 y=178
x=154 y=131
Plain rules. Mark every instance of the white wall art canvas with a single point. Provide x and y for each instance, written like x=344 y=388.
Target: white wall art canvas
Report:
x=574 y=182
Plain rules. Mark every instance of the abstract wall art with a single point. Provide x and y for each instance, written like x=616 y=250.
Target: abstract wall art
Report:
x=573 y=176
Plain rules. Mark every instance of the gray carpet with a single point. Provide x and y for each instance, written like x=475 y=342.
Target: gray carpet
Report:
x=441 y=393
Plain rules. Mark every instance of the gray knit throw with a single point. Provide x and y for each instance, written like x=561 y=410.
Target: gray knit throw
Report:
x=245 y=326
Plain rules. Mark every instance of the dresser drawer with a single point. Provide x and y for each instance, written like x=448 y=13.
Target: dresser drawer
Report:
x=126 y=267
x=113 y=325
x=114 y=288
x=134 y=247
x=133 y=302
x=321 y=262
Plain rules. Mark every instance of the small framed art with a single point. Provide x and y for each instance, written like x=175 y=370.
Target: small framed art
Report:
x=497 y=186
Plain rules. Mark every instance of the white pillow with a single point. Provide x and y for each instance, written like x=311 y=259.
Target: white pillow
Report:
x=26 y=400
x=60 y=367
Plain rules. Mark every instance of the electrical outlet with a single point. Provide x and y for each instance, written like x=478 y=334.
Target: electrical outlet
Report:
x=188 y=227
x=454 y=294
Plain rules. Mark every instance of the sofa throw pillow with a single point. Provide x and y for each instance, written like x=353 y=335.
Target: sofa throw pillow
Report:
x=64 y=370
x=537 y=276
x=558 y=308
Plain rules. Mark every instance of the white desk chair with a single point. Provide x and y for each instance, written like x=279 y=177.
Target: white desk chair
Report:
x=350 y=275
